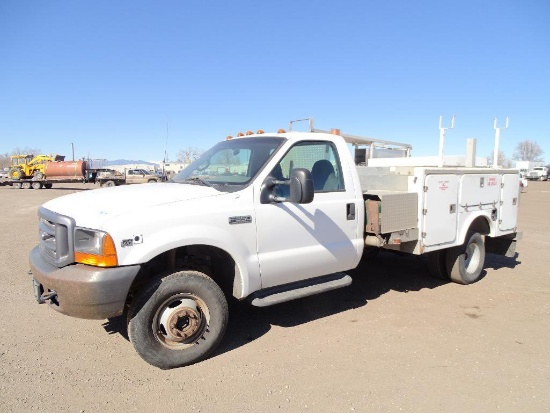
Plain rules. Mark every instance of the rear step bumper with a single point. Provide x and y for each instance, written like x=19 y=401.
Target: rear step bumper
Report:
x=293 y=291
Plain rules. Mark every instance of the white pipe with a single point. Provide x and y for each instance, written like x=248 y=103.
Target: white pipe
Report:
x=497 y=141
x=442 y=138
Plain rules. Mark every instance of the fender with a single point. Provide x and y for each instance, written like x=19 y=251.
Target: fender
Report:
x=210 y=235
x=464 y=226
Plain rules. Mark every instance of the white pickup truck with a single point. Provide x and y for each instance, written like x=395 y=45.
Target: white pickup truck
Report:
x=267 y=218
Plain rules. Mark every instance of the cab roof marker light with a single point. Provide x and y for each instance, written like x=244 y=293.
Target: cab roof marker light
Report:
x=281 y=131
x=240 y=134
x=228 y=138
x=260 y=132
x=249 y=132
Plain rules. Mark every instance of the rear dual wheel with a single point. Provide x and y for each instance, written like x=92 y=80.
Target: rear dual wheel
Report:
x=178 y=320
x=462 y=264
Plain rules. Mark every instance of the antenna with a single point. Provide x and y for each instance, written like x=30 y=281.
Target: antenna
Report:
x=497 y=141
x=442 y=138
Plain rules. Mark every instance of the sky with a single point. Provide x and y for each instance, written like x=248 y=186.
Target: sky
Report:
x=135 y=79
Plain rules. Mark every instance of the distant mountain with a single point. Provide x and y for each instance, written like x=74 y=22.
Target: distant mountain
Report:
x=127 y=162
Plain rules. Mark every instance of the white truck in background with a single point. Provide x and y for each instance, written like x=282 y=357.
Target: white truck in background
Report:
x=267 y=218
x=538 y=173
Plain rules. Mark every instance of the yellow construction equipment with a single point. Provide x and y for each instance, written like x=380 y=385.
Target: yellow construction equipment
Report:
x=30 y=166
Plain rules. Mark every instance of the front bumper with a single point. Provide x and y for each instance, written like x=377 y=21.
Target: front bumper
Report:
x=83 y=291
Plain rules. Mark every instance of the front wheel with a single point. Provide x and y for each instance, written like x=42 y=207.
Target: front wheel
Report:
x=15 y=173
x=178 y=320
x=465 y=263
x=109 y=183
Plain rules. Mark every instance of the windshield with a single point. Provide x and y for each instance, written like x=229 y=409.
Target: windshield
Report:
x=230 y=165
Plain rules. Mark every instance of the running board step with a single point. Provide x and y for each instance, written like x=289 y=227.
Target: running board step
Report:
x=293 y=291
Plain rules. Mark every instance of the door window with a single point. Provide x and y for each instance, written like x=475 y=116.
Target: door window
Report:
x=320 y=158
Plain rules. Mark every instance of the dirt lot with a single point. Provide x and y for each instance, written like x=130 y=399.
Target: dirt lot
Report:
x=396 y=340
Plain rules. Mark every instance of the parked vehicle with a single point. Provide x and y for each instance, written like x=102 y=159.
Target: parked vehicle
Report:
x=538 y=173
x=266 y=218
x=110 y=177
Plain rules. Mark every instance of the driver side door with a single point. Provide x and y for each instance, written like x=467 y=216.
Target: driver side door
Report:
x=301 y=241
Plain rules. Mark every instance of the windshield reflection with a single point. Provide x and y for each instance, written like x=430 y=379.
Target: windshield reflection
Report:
x=230 y=165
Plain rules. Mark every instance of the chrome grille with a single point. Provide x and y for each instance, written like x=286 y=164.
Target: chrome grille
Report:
x=56 y=237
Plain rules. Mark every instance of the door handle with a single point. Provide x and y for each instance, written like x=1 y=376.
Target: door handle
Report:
x=350 y=212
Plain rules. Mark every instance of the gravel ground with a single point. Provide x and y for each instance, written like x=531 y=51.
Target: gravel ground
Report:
x=396 y=340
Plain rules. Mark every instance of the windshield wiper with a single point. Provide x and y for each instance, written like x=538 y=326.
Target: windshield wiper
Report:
x=198 y=181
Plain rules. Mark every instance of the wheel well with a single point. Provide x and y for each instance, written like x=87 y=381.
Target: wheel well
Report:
x=212 y=261
x=481 y=225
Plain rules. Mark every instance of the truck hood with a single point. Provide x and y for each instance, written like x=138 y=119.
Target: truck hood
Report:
x=94 y=207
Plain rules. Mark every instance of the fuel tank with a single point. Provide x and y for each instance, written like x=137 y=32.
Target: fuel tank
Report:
x=66 y=169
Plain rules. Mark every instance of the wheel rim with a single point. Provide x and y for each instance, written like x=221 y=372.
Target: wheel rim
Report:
x=472 y=258
x=180 y=321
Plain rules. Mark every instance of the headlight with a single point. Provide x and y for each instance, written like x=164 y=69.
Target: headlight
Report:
x=94 y=248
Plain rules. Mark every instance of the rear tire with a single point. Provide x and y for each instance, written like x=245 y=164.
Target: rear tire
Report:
x=178 y=320
x=437 y=264
x=465 y=263
x=26 y=185
x=17 y=185
x=109 y=183
x=36 y=185
x=38 y=175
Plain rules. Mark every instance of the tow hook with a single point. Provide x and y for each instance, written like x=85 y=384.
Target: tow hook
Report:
x=46 y=296
x=41 y=295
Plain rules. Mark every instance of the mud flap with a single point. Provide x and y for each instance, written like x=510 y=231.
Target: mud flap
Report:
x=503 y=245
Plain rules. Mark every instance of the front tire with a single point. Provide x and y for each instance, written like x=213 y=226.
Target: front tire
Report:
x=15 y=173
x=465 y=263
x=178 y=320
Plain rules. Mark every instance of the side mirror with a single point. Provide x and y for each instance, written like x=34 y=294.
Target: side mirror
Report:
x=301 y=188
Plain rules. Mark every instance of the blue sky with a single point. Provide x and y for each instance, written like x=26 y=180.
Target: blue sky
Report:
x=109 y=76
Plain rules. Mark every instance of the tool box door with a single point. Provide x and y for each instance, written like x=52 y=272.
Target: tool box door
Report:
x=439 y=212
x=509 y=199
